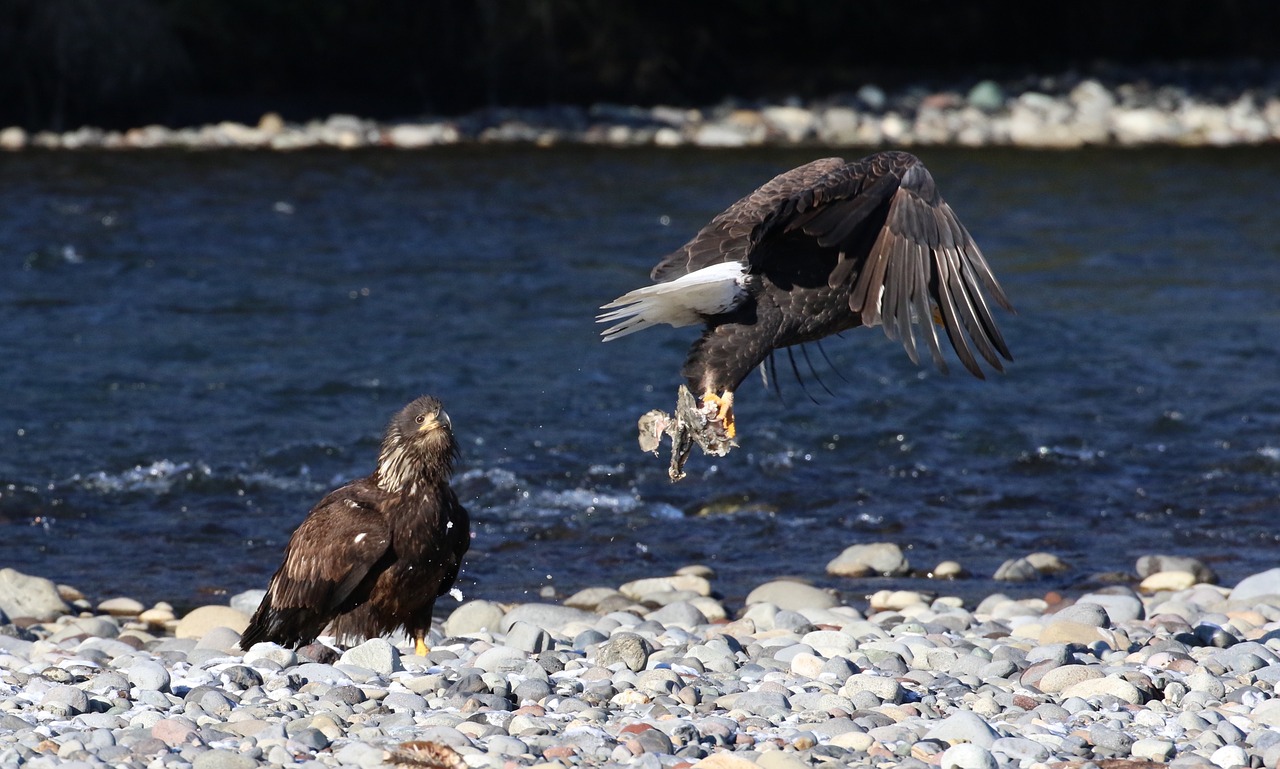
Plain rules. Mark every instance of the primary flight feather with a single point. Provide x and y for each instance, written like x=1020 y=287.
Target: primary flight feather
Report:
x=816 y=250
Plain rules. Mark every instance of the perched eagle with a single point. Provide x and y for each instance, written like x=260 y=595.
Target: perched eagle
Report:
x=375 y=554
x=822 y=248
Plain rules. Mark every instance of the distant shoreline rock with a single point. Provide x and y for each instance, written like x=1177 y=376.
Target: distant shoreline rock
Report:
x=1087 y=114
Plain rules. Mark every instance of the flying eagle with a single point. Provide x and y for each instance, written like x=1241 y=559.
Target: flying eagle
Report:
x=819 y=249
x=374 y=555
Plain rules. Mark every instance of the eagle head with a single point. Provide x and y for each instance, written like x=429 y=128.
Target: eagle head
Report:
x=418 y=443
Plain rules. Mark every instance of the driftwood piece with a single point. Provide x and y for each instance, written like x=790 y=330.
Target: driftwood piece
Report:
x=691 y=424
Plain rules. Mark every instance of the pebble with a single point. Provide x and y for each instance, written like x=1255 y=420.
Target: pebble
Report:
x=878 y=559
x=791 y=595
x=37 y=598
x=474 y=617
x=203 y=619
x=967 y=756
x=793 y=678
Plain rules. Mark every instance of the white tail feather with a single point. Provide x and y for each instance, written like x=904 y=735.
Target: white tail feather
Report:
x=681 y=302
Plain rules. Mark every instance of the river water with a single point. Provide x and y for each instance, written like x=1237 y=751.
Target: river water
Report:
x=196 y=346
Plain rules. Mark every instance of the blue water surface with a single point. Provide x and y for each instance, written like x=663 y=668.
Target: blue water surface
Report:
x=196 y=346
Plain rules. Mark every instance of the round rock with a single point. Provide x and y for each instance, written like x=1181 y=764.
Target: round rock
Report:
x=22 y=595
x=474 y=617
x=967 y=756
x=203 y=619
x=881 y=558
x=628 y=648
x=787 y=594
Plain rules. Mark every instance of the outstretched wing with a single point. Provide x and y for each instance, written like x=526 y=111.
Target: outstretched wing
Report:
x=733 y=234
x=893 y=245
x=904 y=258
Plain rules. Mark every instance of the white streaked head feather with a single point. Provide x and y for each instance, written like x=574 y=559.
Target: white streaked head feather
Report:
x=680 y=302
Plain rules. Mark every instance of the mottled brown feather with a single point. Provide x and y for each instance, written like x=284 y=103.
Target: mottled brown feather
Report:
x=889 y=250
x=373 y=555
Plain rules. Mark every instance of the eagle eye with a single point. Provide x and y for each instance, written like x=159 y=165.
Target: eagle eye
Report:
x=421 y=418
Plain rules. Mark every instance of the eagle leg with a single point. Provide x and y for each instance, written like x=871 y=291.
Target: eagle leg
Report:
x=419 y=644
x=723 y=404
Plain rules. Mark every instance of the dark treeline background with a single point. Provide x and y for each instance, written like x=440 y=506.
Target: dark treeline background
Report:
x=115 y=63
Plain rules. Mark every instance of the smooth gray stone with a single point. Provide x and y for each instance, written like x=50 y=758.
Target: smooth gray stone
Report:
x=528 y=638
x=997 y=669
x=964 y=726
x=267 y=651
x=839 y=668
x=446 y=735
x=109 y=682
x=1121 y=603
x=311 y=739
x=1264 y=583
x=347 y=695
x=405 y=701
x=1058 y=654
x=22 y=595
x=1154 y=564
x=1084 y=613
x=876 y=558
x=628 y=648
x=474 y=617
x=1020 y=749
x=1017 y=570
x=792 y=595
x=654 y=741
x=221 y=638
x=376 y=654
x=967 y=756
x=318 y=671
x=219 y=758
x=679 y=614
x=506 y=746
x=357 y=754
x=65 y=700
x=1111 y=739
x=766 y=704
x=550 y=617
x=532 y=691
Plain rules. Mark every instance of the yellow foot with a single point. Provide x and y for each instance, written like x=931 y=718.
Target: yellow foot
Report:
x=724 y=410
x=420 y=647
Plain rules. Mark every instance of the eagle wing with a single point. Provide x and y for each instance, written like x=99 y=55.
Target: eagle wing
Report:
x=332 y=551
x=734 y=233
x=900 y=250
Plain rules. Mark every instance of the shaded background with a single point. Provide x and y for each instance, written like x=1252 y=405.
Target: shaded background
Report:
x=67 y=63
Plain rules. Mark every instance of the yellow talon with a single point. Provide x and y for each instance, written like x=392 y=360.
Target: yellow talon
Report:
x=419 y=646
x=724 y=410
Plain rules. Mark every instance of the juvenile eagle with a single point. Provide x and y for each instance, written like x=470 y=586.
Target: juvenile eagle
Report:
x=822 y=248
x=374 y=555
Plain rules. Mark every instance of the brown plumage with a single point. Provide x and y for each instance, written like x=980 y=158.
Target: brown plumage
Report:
x=374 y=555
x=817 y=250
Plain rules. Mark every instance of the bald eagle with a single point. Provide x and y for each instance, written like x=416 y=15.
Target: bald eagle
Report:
x=374 y=555
x=817 y=250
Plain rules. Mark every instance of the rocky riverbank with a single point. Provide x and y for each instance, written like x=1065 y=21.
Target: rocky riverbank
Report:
x=661 y=673
x=1058 y=113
